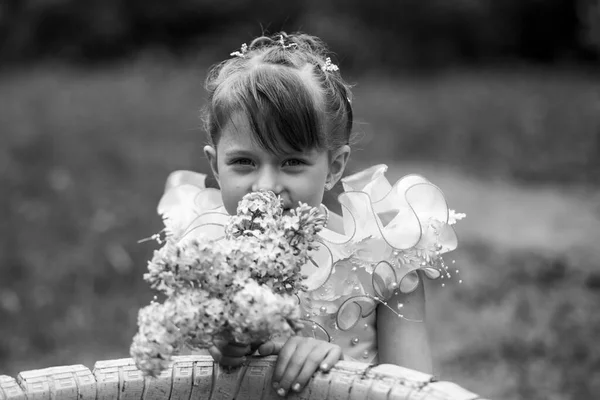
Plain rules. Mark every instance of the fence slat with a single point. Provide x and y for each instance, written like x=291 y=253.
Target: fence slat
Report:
x=10 y=389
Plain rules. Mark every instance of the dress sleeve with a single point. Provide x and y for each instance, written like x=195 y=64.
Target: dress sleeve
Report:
x=398 y=229
x=189 y=208
x=391 y=231
x=184 y=177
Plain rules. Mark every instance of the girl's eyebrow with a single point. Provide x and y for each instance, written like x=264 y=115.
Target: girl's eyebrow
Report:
x=284 y=154
x=302 y=154
x=238 y=153
x=298 y=153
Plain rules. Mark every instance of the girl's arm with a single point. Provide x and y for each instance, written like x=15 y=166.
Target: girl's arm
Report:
x=403 y=342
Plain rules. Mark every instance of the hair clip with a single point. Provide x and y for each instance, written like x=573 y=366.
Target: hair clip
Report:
x=242 y=52
x=286 y=46
x=329 y=66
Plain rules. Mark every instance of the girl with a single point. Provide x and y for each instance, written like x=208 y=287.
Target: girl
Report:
x=279 y=118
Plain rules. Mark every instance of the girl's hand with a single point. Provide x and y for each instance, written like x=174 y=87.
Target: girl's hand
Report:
x=299 y=358
x=230 y=354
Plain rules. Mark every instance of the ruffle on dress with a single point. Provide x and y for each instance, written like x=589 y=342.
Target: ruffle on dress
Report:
x=189 y=208
x=392 y=230
x=390 y=233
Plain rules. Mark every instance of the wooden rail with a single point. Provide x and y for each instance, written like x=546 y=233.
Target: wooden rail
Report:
x=199 y=378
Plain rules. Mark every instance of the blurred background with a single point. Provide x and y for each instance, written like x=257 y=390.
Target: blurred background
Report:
x=497 y=102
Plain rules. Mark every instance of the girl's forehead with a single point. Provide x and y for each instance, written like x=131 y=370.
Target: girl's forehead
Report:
x=238 y=136
x=238 y=132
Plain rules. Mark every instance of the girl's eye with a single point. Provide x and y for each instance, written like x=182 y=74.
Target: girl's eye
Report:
x=242 y=161
x=294 y=162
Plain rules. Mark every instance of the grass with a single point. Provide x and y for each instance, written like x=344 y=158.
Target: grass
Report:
x=85 y=154
x=522 y=323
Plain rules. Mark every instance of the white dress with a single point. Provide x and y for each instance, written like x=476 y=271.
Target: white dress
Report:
x=390 y=232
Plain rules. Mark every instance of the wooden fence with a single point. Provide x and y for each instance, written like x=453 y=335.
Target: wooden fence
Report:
x=200 y=378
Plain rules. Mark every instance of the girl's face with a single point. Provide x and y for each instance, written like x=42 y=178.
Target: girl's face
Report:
x=241 y=166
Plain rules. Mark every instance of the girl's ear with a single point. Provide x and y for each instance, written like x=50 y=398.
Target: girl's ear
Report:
x=337 y=165
x=211 y=155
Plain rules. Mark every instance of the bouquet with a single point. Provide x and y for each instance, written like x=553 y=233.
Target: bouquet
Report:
x=240 y=288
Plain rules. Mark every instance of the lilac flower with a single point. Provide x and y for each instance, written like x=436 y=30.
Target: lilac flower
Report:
x=239 y=288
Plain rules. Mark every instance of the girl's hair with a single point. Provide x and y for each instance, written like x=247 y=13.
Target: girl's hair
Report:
x=289 y=93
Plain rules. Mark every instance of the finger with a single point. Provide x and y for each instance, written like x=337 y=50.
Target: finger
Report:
x=231 y=349
x=296 y=363
x=223 y=343
x=235 y=350
x=254 y=347
x=220 y=343
x=270 y=348
x=333 y=356
x=285 y=357
x=215 y=353
x=308 y=370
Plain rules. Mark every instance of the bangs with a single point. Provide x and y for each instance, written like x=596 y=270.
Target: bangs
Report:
x=281 y=109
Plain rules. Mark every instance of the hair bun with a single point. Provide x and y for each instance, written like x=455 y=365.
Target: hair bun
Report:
x=303 y=41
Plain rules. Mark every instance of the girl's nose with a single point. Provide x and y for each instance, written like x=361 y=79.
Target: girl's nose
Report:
x=267 y=179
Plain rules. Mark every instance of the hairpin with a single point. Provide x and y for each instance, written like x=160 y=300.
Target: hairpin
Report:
x=329 y=66
x=286 y=46
x=242 y=52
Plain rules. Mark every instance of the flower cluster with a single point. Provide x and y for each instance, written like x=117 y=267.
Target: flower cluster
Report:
x=240 y=288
